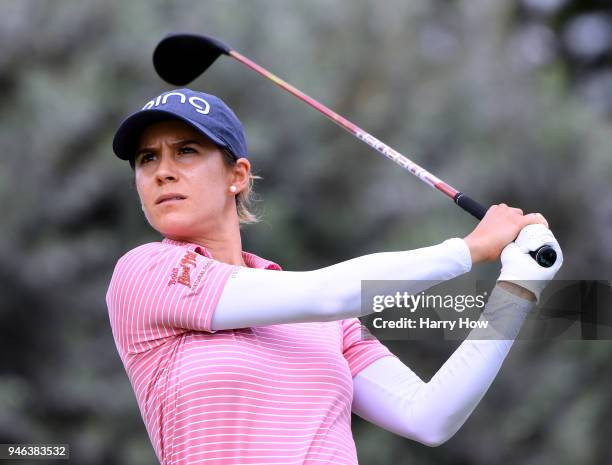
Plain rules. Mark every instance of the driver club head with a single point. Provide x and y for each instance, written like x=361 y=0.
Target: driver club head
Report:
x=180 y=58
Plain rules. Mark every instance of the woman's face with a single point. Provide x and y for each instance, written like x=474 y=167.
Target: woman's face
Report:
x=182 y=180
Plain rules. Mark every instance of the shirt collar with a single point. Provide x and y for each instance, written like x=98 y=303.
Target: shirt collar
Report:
x=251 y=260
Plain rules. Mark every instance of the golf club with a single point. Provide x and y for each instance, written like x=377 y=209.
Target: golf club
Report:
x=180 y=58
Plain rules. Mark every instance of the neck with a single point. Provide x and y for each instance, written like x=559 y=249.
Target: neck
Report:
x=222 y=241
x=225 y=251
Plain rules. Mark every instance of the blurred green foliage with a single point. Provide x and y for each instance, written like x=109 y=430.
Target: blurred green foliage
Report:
x=497 y=98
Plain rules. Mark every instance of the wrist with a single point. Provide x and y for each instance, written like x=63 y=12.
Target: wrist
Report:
x=517 y=290
x=475 y=248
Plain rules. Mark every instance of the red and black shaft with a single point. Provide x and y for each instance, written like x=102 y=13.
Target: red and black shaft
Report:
x=180 y=58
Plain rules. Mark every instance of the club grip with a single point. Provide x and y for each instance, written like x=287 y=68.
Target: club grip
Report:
x=470 y=205
x=545 y=256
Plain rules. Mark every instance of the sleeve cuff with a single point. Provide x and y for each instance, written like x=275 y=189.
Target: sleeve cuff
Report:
x=459 y=249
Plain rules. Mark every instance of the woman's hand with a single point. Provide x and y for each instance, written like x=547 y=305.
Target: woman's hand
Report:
x=500 y=226
x=520 y=269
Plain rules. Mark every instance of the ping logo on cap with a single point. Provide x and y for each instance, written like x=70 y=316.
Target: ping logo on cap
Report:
x=206 y=113
x=200 y=105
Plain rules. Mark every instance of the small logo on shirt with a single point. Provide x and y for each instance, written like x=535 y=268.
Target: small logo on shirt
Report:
x=182 y=274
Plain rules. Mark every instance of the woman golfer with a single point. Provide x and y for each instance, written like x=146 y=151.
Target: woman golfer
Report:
x=235 y=361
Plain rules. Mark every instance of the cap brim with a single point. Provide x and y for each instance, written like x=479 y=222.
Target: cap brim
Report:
x=129 y=132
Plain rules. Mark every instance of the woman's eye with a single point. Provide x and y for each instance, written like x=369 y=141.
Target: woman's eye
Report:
x=187 y=150
x=145 y=158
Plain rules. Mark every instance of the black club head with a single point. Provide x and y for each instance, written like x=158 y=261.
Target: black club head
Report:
x=180 y=58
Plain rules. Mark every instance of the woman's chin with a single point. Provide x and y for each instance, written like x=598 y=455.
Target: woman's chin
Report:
x=174 y=229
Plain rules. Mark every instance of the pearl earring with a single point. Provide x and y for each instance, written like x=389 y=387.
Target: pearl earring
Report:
x=233 y=189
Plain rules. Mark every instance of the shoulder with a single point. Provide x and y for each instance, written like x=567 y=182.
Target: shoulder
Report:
x=149 y=259
x=151 y=251
x=147 y=263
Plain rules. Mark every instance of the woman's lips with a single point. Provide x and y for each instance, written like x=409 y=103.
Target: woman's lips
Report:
x=172 y=200
x=169 y=198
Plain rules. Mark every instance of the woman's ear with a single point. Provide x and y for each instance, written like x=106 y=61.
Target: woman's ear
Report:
x=241 y=171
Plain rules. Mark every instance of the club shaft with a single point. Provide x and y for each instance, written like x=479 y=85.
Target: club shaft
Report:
x=545 y=255
x=364 y=136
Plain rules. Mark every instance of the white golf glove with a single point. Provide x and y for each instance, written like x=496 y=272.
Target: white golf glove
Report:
x=520 y=268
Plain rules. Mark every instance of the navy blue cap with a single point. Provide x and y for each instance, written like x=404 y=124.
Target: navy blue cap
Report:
x=204 y=112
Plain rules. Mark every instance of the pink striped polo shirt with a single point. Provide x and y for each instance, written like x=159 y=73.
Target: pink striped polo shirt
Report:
x=278 y=394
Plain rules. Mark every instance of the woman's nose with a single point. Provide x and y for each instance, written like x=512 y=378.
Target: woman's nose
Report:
x=165 y=169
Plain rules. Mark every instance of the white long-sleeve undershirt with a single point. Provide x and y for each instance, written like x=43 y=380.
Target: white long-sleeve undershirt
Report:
x=256 y=297
x=389 y=394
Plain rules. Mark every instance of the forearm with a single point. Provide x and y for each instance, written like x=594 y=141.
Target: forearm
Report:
x=261 y=297
x=390 y=395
